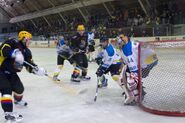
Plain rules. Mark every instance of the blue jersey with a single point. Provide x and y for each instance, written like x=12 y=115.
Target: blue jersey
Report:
x=130 y=51
x=60 y=42
x=110 y=56
x=63 y=48
x=130 y=56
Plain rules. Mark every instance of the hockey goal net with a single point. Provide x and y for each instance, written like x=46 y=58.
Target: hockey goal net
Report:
x=163 y=90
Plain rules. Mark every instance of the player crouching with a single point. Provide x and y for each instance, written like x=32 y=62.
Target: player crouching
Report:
x=109 y=61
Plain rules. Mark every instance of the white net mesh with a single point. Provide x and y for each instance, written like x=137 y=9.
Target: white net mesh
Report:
x=165 y=84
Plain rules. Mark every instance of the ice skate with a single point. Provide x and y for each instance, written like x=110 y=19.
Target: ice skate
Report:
x=130 y=100
x=103 y=84
x=85 y=78
x=12 y=117
x=21 y=103
x=55 y=78
x=75 y=79
x=56 y=74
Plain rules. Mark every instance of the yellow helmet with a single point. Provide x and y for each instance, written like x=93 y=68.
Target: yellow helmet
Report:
x=80 y=28
x=23 y=34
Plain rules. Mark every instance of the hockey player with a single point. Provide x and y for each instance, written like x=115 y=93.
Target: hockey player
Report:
x=13 y=54
x=63 y=53
x=78 y=44
x=109 y=61
x=91 y=44
x=130 y=71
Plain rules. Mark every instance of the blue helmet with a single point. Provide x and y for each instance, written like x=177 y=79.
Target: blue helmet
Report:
x=103 y=39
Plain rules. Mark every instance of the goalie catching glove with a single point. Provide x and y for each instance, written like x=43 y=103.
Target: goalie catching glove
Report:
x=39 y=71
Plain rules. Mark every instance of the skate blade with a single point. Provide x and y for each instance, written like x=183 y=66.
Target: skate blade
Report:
x=133 y=103
x=85 y=79
x=21 y=105
x=11 y=121
x=75 y=82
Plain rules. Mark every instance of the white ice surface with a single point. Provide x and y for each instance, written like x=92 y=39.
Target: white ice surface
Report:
x=51 y=103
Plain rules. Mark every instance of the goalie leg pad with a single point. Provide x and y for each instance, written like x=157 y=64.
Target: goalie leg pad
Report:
x=123 y=78
x=131 y=96
x=132 y=81
x=129 y=99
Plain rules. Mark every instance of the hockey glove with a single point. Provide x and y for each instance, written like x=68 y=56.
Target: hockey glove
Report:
x=71 y=60
x=17 y=54
x=101 y=70
x=39 y=71
x=75 y=50
x=98 y=60
x=91 y=42
x=19 y=59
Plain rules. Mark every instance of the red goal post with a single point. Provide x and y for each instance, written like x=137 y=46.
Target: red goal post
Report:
x=162 y=92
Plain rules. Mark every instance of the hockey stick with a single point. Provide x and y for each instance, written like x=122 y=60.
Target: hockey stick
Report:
x=67 y=58
x=64 y=57
x=34 y=67
x=96 y=95
x=68 y=89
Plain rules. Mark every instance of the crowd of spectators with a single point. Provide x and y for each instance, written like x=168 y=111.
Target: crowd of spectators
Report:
x=172 y=12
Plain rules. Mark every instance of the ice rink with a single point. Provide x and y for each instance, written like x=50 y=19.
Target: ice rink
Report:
x=50 y=103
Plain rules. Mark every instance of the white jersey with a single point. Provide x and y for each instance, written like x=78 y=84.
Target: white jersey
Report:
x=109 y=56
x=90 y=36
x=130 y=55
